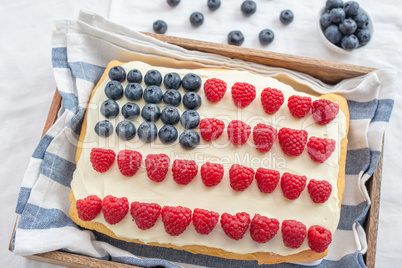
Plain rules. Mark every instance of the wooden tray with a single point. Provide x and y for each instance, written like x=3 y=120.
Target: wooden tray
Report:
x=327 y=71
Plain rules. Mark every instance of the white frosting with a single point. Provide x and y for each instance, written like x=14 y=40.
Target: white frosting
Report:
x=221 y=198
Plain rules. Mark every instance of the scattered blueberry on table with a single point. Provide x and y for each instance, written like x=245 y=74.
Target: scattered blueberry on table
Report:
x=153 y=94
x=235 y=38
x=147 y=132
x=168 y=134
x=109 y=108
x=286 y=17
x=172 y=97
x=151 y=112
x=114 y=90
x=191 y=100
x=133 y=91
x=248 y=8
x=125 y=130
x=266 y=36
x=173 y=3
x=213 y=4
x=104 y=128
x=191 y=82
x=196 y=19
x=130 y=110
x=170 y=115
x=134 y=76
x=190 y=119
x=189 y=139
x=160 y=27
x=172 y=80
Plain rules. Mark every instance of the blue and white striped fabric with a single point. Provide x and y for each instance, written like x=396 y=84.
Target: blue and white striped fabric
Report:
x=81 y=50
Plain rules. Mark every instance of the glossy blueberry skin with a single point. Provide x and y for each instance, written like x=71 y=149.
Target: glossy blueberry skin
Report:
x=190 y=119
x=153 y=94
x=173 y=3
x=172 y=97
x=235 y=38
x=191 y=100
x=160 y=27
x=337 y=15
x=349 y=42
x=362 y=20
x=331 y=4
x=248 y=8
x=117 y=73
x=172 y=81
x=333 y=34
x=325 y=21
x=125 y=130
x=114 y=90
x=170 y=115
x=266 y=37
x=196 y=19
x=147 y=132
x=168 y=134
x=104 y=128
x=348 y=26
x=351 y=8
x=286 y=16
x=214 y=4
x=130 y=111
x=189 y=139
x=151 y=112
x=134 y=76
x=133 y=91
x=153 y=77
x=364 y=36
x=191 y=82
x=109 y=108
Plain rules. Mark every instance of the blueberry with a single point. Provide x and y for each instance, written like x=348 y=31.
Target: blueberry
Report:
x=348 y=26
x=173 y=3
x=133 y=91
x=172 y=80
x=168 y=134
x=147 y=132
x=235 y=38
x=134 y=76
x=349 y=42
x=153 y=77
x=213 y=4
x=130 y=110
x=331 y=4
x=114 y=90
x=170 y=115
x=325 y=21
x=196 y=19
x=153 y=94
x=361 y=20
x=286 y=16
x=172 y=97
x=333 y=34
x=125 y=130
x=351 y=8
x=337 y=15
x=266 y=37
x=248 y=8
x=189 y=139
x=117 y=73
x=151 y=112
x=160 y=27
x=191 y=82
x=104 y=128
x=364 y=36
x=109 y=108
x=190 y=119
x=191 y=100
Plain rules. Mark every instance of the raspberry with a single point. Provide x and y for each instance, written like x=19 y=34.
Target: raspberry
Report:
x=319 y=238
x=238 y=132
x=299 y=106
x=320 y=149
x=271 y=99
x=184 y=171
x=129 y=162
x=324 y=111
x=89 y=207
x=145 y=214
x=267 y=179
x=114 y=209
x=235 y=226
x=211 y=174
x=157 y=165
x=102 y=159
x=293 y=233
x=264 y=137
x=263 y=229
x=292 y=185
x=204 y=221
x=214 y=89
x=240 y=177
x=176 y=219
x=211 y=128
x=319 y=190
x=243 y=94
x=292 y=141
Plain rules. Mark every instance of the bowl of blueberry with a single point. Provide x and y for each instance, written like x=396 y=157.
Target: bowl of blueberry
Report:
x=345 y=27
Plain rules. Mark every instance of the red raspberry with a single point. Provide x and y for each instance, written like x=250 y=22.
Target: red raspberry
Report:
x=319 y=190
x=176 y=219
x=243 y=94
x=267 y=179
x=299 y=106
x=145 y=214
x=102 y=159
x=89 y=207
x=211 y=174
x=240 y=177
x=184 y=171
x=320 y=149
x=292 y=141
x=211 y=128
x=114 y=209
x=129 y=162
x=238 y=132
x=204 y=221
x=293 y=233
x=324 y=111
x=264 y=137
x=319 y=238
x=157 y=166
x=271 y=99
x=263 y=229
x=292 y=185
x=235 y=226
x=214 y=89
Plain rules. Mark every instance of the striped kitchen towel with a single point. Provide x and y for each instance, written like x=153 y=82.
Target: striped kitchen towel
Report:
x=81 y=50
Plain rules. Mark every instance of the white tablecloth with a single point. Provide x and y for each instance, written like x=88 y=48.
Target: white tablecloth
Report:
x=27 y=83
